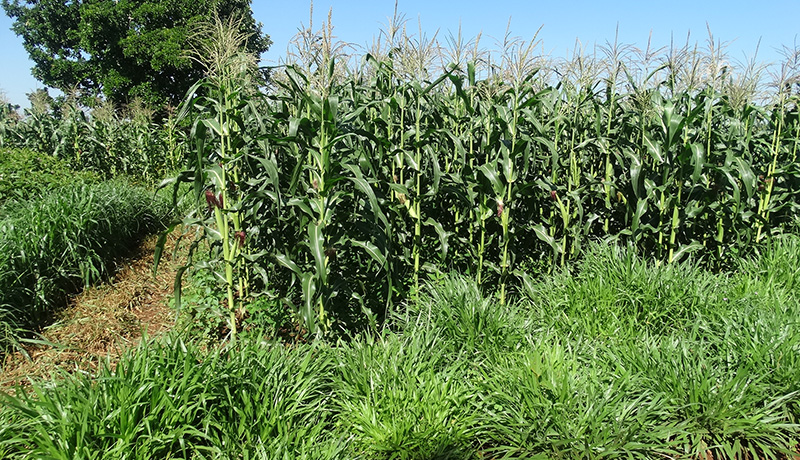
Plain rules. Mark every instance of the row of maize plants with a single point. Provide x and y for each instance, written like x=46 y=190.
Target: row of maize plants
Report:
x=106 y=140
x=341 y=185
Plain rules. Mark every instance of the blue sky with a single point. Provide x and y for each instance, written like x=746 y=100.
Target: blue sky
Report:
x=740 y=23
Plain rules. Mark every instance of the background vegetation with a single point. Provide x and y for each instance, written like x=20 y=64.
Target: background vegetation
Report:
x=25 y=174
x=107 y=140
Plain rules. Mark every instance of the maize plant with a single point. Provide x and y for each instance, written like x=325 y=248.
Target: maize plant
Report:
x=347 y=181
x=220 y=106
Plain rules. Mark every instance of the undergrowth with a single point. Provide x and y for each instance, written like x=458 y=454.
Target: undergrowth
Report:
x=623 y=358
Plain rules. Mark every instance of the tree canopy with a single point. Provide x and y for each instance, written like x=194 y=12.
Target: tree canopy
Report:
x=123 y=48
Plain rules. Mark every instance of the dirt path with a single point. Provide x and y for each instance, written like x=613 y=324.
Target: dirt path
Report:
x=102 y=322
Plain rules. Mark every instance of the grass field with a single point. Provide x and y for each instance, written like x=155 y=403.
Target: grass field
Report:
x=672 y=362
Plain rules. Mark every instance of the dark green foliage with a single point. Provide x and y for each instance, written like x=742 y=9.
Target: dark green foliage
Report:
x=122 y=49
x=350 y=189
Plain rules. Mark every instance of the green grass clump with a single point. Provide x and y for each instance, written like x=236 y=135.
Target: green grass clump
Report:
x=25 y=174
x=173 y=400
x=402 y=397
x=612 y=291
x=643 y=361
x=53 y=246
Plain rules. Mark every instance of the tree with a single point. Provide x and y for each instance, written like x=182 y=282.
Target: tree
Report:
x=123 y=49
